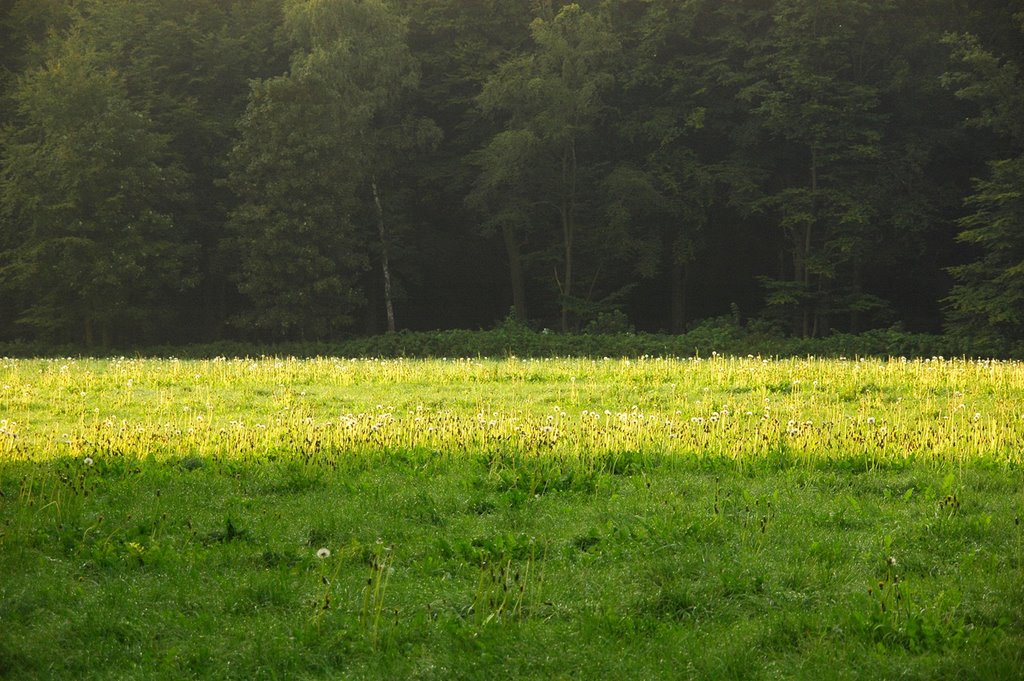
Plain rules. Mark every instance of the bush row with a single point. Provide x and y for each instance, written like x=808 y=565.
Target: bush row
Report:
x=722 y=336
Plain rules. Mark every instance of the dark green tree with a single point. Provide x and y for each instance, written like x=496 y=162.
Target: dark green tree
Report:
x=661 y=157
x=458 y=248
x=676 y=174
x=91 y=250
x=189 y=62
x=819 y=102
x=312 y=139
x=541 y=173
x=24 y=26
x=988 y=299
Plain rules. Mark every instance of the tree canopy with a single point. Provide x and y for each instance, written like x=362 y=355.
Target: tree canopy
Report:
x=191 y=170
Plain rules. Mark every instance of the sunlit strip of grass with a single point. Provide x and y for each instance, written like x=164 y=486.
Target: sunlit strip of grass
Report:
x=330 y=409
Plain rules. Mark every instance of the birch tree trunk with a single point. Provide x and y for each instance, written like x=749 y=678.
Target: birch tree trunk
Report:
x=384 y=259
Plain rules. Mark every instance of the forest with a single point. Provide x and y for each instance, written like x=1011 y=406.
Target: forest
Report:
x=182 y=171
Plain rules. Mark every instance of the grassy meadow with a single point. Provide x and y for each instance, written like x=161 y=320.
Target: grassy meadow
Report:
x=744 y=518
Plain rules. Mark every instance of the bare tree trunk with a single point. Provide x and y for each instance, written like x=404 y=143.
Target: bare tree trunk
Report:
x=87 y=332
x=515 y=264
x=567 y=229
x=808 y=311
x=568 y=211
x=385 y=264
x=856 y=316
x=680 y=276
x=680 y=254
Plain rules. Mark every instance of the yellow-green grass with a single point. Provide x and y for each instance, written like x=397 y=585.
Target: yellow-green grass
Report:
x=463 y=519
x=745 y=408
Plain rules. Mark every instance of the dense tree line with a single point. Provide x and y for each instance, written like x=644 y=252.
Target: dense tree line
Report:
x=192 y=170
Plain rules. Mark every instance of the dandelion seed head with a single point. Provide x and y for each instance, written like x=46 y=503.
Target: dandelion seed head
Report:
x=323 y=553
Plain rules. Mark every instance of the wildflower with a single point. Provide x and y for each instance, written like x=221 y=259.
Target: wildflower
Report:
x=323 y=553
x=87 y=461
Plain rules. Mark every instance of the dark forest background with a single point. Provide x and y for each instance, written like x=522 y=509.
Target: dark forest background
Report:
x=180 y=171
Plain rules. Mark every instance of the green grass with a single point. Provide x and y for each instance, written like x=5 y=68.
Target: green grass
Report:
x=138 y=540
